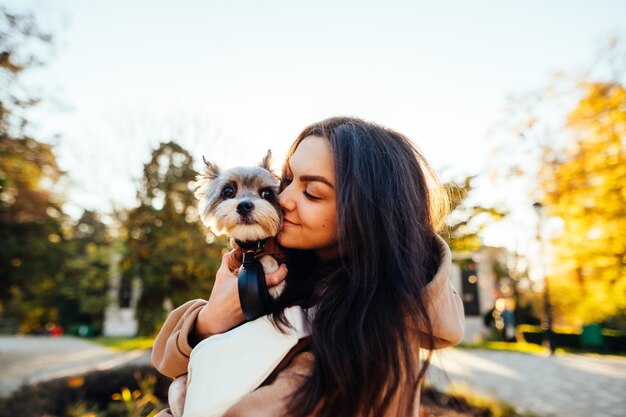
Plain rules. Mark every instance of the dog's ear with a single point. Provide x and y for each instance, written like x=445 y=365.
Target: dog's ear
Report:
x=211 y=170
x=267 y=160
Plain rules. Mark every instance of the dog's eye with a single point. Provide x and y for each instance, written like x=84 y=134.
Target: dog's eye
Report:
x=228 y=192
x=267 y=194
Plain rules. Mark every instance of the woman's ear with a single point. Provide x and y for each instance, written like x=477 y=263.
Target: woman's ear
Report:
x=267 y=160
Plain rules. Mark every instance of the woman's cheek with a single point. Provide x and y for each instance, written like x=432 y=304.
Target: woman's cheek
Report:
x=328 y=228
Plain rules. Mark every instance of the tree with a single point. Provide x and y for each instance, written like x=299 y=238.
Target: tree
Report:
x=567 y=151
x=466 y=220
x=512 y=281
x=21 y=43
x=32 y=232
x=33 y=238
x=586 y=188
x=83 y=291
x=166 y=245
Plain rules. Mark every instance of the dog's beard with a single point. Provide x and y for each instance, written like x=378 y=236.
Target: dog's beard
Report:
x=248 y=232
x=261 y=223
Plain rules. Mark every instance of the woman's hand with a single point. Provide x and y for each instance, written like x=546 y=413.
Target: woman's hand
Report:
x=223 y=310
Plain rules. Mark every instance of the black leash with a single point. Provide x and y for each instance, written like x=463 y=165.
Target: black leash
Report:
x=253 y=293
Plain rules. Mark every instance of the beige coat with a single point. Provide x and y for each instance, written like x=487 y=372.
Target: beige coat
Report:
x=170 y=354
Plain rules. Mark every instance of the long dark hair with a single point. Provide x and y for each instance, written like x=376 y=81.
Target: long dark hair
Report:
x=369 y=302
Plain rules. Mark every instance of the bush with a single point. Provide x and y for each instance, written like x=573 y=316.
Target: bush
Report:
x=533 y=337
x=125 y=392
x=613 y=340
x=464 y=403
x=435 y=404
x=93 y=391
x=567 y=340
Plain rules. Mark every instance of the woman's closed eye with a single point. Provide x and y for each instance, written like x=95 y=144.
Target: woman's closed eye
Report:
x=310 y=196
x=285 y=182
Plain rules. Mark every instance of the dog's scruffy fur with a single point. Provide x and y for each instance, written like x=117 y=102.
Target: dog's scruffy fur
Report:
x=219 y=211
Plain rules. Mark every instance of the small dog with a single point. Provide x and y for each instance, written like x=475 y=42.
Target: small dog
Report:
x=242 y=203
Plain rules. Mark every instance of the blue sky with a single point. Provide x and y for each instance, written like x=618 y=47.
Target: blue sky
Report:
x=230 y=79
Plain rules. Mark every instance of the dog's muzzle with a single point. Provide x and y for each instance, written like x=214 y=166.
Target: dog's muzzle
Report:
x=245 y=207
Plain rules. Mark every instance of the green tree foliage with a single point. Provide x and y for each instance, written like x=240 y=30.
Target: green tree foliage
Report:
x=50 y=270
x=586 y=188
x=166 y=244
x=466 y=221
x=83 y=291
x=33 y=245
x=32 y=237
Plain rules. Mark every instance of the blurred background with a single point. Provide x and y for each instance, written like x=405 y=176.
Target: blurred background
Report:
x=106 y=109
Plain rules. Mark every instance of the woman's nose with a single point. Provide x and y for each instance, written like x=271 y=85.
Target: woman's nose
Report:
x=285 y=200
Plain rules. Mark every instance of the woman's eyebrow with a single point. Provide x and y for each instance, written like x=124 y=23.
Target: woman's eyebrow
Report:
x=316 y=178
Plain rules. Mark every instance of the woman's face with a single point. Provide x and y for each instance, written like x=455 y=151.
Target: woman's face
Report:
x=308 y=199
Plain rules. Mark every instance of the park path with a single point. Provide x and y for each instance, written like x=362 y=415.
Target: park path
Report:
x=561 y=386
x=565 y=385
x=30 y=359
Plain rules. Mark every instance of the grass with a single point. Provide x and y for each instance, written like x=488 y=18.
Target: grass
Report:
x=521 y=347
x=497 y=407
x=125 y=343
x=533 y=349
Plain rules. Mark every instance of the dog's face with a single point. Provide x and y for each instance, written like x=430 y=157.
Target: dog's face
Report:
x=240 y=202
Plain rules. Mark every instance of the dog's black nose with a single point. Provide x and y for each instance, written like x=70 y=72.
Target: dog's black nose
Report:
x=245 y=207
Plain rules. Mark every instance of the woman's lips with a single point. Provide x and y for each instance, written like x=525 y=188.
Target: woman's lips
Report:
x=289 y=223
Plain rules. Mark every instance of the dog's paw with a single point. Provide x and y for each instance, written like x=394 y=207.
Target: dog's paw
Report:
x=276 y=290
x=269 y=264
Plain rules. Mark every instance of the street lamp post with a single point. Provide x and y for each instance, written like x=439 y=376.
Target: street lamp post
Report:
x=548 y=334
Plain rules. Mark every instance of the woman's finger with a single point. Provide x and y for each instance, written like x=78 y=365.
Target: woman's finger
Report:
x=274 y=278
x=224 y=271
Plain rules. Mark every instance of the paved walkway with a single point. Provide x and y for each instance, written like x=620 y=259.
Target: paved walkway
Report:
x=561 y=386
x=30 y=359
x=564 y=386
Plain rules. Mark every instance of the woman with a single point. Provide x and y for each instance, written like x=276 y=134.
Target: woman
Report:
x=361 y=208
